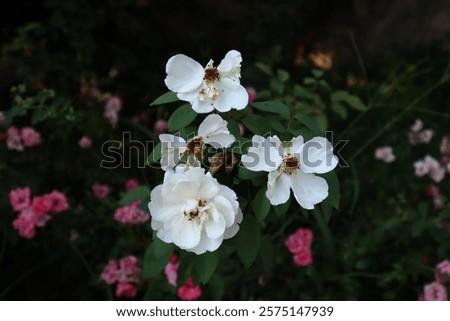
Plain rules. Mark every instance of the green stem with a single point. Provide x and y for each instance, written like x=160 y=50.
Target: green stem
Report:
x=396 y=119
x=77 y=252
x=24 y=276
x=360 y=62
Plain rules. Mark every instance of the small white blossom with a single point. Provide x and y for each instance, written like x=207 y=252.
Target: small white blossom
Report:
x=193 y=211
x=207 y=88
x=212 y=131
x=385 y=154
x=430 y=166
x=292 y=165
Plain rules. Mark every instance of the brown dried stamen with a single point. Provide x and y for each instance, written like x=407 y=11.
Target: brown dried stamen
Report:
x=195 y=147
x=211 y=74
x=196 y=212
x=291 y=164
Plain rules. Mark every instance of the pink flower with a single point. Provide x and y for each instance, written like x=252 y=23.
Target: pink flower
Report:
x=20 y=198
x=299 y=240
x=171 y=270
x=100 y=190
x=131 y=184
x=114 y=104
x=303 y=257
x=161 y=127
x=417 y=126
x=41 y=205
x=131 y=214
x=189 y=291
x=251 y=94
x=434 y=292
x=425 y=136
x=112 y=108
x=437 y=173
x=14 y=139
x=445 y=145
x=85 y=142
x=110 y=273
x=30 y=137
x=125 y=273
x=126 y=289
x=430 y=166
x=26 y=225
x=443 y=271
x=421 y=168
x=129 y=271
x=385 y=154
x=433 y=191
x=59 y=202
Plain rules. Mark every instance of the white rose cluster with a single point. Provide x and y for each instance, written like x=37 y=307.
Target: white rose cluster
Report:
x=191 y=208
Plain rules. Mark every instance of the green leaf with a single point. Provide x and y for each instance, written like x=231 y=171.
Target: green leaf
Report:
x=276 y=124
x=10 y=115
x=309 y=81
x=267 y=255
x=205 y=265
x=339 y=109
x=309 y=123
x=139 y=193
x=181 y=117
x=326 y=210
x=282 y=75
x=168 y=97
x=257 y=124
x=233 y=127
x=246 y=174
x=273 y=107
x=317 y=73
x=156 y=257
x=264 y=68
x=260 y=204
x=351 y=100
x=155 y=155
x=334 y=191
x=248 y=240
x=216 y=287
x=281 y=209
x=39 y=115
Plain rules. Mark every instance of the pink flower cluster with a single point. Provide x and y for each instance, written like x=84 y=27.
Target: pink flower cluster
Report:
x=125 y=273
x=385 y=154
x=131 y=214
x=299 y=244
x=418 y=135
x=435 y=193
x=431 y=167
x=131 y=184
x=188 y=291
x=112 y=108
x=36 y=212
x=436 y=291
x=443 y=271
x=18 y=139
x=100 y=190
x=85 y=142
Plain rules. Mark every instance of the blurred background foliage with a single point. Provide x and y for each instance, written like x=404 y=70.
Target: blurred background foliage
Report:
x=386 y=237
